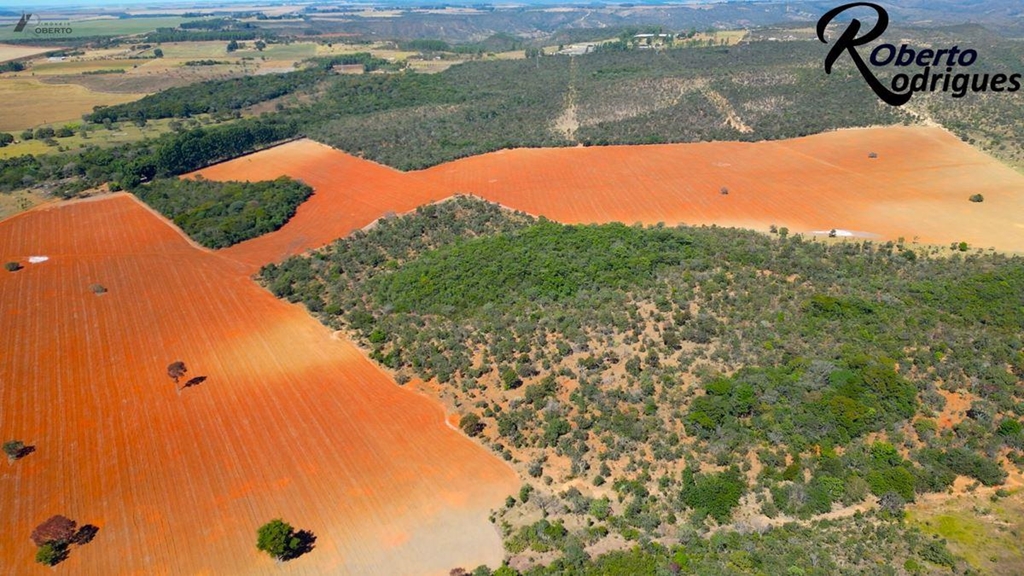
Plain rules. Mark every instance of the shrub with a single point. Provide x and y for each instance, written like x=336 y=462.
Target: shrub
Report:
x=977 y=198
x=44 y=133
x=14 y=449
x=471 y=424
x=714 y=494
x=936 y=552
x=967 y=463
x=51 y=554
x=897 y=479
x=1009 y=427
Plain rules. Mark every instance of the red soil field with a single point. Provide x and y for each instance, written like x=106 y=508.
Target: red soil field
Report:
x=917 y=187
x=349 y=194
x=290 y=422
x=294 y=423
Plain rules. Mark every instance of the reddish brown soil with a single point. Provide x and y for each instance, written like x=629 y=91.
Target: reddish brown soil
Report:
x=349 y=194
x=289 y=423
x=293 y=423
x=917 y=187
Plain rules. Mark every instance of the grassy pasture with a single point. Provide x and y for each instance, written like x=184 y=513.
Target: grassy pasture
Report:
x=29 y=102
x=124 y=132
x=46 y=68
x=985 y=532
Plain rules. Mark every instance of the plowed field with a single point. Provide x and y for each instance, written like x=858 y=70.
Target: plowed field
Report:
x=350 y=193
x=917 y=187
x=288 y=423
x=293 y=423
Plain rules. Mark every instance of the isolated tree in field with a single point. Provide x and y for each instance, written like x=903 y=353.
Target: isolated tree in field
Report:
x=54 y=536
x=281 y=541
x=232 y=46
x=175 y=370
x=57 y=530
x=15 y=449
x=260 y=45
x=12 y=266
x=977 y=198
x=158 y=53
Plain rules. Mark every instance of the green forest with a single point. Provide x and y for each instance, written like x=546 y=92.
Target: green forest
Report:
x=219 y=214
x=661 y=361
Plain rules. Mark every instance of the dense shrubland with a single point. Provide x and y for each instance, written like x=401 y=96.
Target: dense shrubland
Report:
x=232 y=94
x=219 y=214
x=413 y=121
x=661 y=365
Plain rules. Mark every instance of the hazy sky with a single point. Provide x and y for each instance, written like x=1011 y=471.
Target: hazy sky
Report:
x=40 y=6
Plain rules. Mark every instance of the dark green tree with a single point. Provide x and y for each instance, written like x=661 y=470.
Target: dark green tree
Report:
x=14 y=449
x=278 y=539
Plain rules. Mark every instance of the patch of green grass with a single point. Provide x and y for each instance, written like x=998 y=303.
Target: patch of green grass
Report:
x=293 y=51
x=963 y=529
x=79 y=67
x=984 y=533
x=193 y=50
